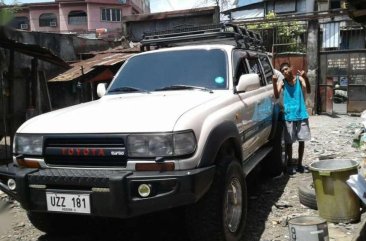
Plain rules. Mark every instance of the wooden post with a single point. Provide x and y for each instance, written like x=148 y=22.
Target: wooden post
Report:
x=44 y=91
x=11 y=81
x=4 y=118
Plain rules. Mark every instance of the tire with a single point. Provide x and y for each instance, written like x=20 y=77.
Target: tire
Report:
x=275 y=163
x=307 y=195
x=52 y=223
x=220 y=215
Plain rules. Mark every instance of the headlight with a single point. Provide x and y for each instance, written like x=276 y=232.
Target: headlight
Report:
x=184 y=143
x=161 y=145
x=28 y=144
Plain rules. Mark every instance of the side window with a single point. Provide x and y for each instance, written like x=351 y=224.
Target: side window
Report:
x=267 y=68
x=240 y=70
x=255 y=67
x=240 y=66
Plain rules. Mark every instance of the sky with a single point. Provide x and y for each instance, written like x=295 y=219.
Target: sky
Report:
x=155 y=5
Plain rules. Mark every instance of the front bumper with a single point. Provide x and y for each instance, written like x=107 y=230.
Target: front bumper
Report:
x=113 y=193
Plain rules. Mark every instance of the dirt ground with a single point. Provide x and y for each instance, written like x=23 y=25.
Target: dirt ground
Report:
x=272 y=202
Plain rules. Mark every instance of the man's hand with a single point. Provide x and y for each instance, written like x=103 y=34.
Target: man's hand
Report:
x=276 y=87
x=302 y=73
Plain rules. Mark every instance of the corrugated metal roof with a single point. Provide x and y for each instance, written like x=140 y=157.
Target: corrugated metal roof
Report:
x=90 y=66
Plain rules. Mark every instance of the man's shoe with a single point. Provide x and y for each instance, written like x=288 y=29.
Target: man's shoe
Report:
x=291 y=171
x=302 y=169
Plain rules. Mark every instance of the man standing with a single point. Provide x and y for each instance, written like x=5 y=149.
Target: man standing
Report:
x=295 y=113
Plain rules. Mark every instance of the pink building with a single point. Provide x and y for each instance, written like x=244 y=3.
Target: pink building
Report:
x=80 y=16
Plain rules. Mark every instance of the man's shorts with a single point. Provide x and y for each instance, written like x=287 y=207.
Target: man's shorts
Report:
x=297 y=131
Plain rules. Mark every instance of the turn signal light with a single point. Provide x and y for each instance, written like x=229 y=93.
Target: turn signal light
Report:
x=28 y=163
x=165 y=166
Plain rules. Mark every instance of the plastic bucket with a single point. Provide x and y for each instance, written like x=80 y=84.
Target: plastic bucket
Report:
x=308 y=228
x=336 y=201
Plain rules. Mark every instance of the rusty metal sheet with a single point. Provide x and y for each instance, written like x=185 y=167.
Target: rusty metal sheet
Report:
x=106 y=59
x=30 y=50
x=170 y=14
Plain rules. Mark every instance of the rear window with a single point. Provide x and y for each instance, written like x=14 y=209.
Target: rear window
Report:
x=268 y=71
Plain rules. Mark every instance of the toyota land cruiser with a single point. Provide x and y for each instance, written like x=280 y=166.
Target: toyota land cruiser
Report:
x=178 y=126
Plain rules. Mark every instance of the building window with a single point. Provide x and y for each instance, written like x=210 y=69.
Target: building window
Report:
x=335 y=4
x=77 y=18
x=285 y=6
x=20 y=23
x=111 y=14
x=48 y=20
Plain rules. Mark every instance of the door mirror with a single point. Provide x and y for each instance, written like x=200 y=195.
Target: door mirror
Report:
x=101 y=89
x=248 y=82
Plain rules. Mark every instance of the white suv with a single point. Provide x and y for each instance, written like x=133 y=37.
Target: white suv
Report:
x=179 y=126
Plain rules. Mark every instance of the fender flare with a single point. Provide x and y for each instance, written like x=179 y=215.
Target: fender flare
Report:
x=218 y=136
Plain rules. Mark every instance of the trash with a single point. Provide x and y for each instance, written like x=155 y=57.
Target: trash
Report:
x=308 y=228
x=358 y=185
x=282 y=206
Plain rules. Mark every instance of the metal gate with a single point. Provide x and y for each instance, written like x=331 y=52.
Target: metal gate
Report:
x=342 y=73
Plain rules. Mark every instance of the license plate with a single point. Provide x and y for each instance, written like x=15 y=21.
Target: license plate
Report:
x=68 y=203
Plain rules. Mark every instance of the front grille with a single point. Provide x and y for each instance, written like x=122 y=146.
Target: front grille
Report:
x=87 y=151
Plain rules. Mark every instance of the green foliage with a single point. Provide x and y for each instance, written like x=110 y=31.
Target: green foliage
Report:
x=6 y=13
x=288 y=32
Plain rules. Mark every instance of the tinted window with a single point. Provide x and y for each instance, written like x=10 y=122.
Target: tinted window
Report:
x=240 y=66
x=268 y=72
x=254 y=67
x=204 y=68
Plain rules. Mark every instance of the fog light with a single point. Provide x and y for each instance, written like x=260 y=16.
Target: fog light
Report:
x=12 y=184
x=144 y=190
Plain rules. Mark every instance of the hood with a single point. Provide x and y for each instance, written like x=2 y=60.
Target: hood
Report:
x=125 y=113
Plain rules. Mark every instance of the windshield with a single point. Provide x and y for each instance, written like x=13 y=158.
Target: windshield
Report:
x=159 y=71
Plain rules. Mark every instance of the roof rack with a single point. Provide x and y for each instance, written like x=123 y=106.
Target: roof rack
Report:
x=204 y=34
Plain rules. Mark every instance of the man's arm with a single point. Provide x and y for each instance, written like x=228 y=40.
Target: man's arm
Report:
x=277 y=87
x=305 y=81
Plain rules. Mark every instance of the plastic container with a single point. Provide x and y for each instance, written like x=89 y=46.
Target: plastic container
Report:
x=308 y=228
x=336 y=201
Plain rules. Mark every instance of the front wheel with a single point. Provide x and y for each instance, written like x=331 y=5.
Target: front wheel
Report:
x=276 y=162
x=221 y=214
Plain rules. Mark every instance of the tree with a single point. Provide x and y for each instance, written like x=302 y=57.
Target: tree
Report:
x=287 y=32
x=6 y=12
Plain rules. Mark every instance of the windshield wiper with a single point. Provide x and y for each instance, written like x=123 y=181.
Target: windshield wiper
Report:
x=127 y=89
x=184 y=87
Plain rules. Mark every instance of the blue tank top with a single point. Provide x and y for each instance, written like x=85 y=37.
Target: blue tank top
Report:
x=293 y=102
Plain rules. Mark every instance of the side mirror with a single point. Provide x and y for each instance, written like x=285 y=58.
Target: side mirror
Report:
x=248 y=82
x=101 y=89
